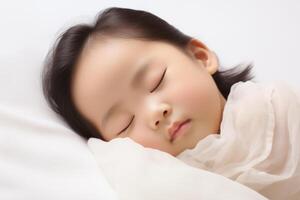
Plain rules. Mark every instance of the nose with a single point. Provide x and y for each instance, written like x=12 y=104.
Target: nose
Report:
x=159 y=115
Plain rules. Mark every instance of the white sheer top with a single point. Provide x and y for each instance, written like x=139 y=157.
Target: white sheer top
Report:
x=259 y=142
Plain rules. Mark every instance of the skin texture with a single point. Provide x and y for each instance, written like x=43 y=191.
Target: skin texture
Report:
x=102 y=78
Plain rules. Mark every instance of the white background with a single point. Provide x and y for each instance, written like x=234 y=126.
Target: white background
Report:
x=265 y=33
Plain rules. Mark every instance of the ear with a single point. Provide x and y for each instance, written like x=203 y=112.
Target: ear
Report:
x=200 y=53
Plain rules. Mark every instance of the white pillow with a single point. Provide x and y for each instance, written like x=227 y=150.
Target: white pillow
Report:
x=138 y=173
x=40 y=157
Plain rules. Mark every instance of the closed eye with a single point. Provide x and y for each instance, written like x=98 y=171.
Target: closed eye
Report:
x=162 y=78
x=126 y=126
x=160 y=81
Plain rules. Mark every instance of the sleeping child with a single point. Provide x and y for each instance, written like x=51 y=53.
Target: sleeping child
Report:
x=133 y=75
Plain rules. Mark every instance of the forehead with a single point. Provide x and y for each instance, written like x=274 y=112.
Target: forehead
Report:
x=101 y=67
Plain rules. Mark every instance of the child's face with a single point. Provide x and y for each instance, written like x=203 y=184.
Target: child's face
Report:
x=104 y=76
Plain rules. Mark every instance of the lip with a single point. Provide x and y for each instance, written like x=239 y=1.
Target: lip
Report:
x=178 y=128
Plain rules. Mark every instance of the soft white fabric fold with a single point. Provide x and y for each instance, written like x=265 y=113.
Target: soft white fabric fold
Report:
x=259 y=143
x=138 y=173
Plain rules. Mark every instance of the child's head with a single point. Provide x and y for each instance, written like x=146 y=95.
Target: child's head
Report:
x=132 y=70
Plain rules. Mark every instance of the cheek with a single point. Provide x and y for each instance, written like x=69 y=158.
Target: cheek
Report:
x=191 y=96
x=196 y=96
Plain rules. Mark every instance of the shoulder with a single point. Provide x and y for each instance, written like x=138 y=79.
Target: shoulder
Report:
x=285 y=90
x=250 y=92
x=279 y=89
x=264 y=100
x=286 y=101
x=281 y=98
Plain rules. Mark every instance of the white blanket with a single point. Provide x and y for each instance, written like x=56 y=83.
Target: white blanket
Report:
x=259 y=144
x=138 y=173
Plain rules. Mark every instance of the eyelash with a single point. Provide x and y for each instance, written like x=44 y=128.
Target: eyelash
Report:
x=126 y=126
x=162 y=78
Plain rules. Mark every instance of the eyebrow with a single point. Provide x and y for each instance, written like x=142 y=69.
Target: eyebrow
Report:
x=134 y=83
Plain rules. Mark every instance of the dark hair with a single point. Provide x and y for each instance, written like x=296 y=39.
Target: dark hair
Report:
x=111 y=22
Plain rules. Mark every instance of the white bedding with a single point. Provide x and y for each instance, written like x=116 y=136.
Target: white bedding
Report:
x=138 y=173
x=40 y=158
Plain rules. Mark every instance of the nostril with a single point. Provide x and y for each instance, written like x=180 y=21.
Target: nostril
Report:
x=165 y=112
x=156 y=123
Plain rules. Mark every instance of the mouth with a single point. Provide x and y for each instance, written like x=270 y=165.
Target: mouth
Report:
x=179 y=129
